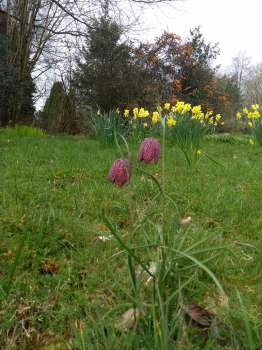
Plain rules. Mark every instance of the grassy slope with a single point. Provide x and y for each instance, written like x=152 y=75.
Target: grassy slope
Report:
x=52 y=191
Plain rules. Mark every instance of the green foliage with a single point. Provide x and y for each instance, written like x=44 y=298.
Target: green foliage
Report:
x=112 y=73
x=107 y=125
x=228 y=138
x=7 y=82
x=52 y=191
x=54 y=108
x=257 y=131
x=21 y=131
x=103 y=73
x=197 y=72
x=59 y=113
x=188 y=135
x=16 y=93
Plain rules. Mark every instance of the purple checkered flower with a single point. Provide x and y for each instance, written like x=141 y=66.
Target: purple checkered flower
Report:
x=149 y=150
x=120 y=172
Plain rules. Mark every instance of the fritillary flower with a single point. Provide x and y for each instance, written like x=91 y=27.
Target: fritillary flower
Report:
x=120 y=172
x=149 y=150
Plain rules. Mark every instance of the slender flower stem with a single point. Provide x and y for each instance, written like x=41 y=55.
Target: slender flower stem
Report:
x=163 y=174
x=163 y=233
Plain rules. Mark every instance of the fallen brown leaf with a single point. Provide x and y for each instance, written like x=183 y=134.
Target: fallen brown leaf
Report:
x=128 y=319
x=198 y=315
x=49 y=266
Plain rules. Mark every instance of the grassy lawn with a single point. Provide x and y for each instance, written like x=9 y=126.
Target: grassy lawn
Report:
x=57 y=277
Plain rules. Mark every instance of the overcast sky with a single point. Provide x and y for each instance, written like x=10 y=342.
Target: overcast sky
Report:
x=235 y=24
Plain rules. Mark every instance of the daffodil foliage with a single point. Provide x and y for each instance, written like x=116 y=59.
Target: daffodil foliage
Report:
x=185 y=124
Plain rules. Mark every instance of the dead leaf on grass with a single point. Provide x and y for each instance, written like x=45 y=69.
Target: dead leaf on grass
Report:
x=198 y=315
x=128 y=319
x=50 y=266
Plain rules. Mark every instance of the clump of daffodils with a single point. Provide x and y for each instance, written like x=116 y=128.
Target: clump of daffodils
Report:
x=251 y=118
x=171 y=113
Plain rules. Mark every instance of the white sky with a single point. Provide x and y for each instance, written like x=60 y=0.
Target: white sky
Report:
x=235 y=24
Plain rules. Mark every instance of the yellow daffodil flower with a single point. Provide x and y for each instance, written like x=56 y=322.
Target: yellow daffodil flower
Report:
x=143 y=113
x=238 y=115
x=167 y=106
x=254 y=115
x=171 y=121
x=255 y=106
x=135 y=112
x=251 y=142
x=199 y=152
x=197 y=109
x=208 y=115
x=179 y=107
x=126 y=113
x=155 y=117
x=187 y=108
x=250 y=124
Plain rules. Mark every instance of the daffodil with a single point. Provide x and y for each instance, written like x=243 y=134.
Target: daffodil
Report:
x=187 y=108
x=238 y=115
x=135 y=112
x=145 y=125
x=208 y=114
x=218 y=117
x=126 y=113
x=179 y=107
x=171 y=121
x=254 y=115
x=251 y=141
x=255 y=106
x=245 y=110
x=250 y=124
x=167 y=106
x=143 y=113
x=155 y=117
x=197 y=109
x=199 y=152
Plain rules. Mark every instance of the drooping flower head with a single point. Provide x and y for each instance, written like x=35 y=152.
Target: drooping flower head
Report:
x=149 y=150
x=120 y=172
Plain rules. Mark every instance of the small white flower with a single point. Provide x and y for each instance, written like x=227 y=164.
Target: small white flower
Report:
x=104 y=238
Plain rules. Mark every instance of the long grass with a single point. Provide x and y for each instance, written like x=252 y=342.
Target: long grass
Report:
x=22 y=131
x=65 y=288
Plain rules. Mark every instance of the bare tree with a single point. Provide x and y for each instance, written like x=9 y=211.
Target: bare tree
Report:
x=41 y=31
x=240 y=68
x=252 y=85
